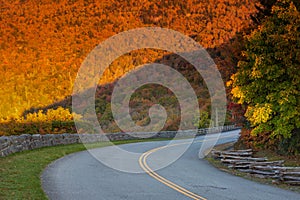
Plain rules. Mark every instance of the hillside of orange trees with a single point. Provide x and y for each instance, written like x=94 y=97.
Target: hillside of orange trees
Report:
x=43 y=43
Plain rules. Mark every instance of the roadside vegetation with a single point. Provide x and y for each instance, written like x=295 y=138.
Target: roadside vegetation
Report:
x=267 y=81
x=20 y=173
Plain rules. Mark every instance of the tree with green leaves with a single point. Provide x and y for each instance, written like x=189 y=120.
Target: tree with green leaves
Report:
x=268 y=78
x=204 y=120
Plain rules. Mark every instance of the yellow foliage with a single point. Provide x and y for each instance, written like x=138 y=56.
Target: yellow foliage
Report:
x=231 y=81
x=11 y=118
x=53 y=121
x=60 y=114
x=259 y=113
x=237 y=93
x=256 y=73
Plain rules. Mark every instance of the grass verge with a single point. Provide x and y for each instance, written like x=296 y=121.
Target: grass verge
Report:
x=271 y=156
x=20 y=172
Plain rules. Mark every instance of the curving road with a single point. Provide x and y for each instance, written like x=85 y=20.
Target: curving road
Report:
x=82 y=176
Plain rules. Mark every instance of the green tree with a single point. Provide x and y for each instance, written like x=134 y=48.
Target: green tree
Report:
x=268 y=78
x=204 y=120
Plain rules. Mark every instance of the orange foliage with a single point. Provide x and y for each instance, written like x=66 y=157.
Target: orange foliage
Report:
x=42 y=43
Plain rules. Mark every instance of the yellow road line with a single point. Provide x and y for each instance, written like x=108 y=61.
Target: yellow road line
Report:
x=150 y=172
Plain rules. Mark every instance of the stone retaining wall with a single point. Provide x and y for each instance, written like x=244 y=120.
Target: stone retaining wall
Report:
x=13 y=144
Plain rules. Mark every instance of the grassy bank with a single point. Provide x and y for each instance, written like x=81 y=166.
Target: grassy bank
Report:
x=20 y=172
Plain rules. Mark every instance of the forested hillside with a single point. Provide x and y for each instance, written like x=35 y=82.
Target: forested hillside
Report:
x=42 y=43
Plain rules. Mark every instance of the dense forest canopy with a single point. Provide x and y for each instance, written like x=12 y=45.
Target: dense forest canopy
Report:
x=42 y=43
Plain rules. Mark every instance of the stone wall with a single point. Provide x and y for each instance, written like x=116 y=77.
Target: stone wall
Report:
x=13 y=144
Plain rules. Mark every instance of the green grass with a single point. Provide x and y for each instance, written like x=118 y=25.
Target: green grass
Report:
x=20 y=172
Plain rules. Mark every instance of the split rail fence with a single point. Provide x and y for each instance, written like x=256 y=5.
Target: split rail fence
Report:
x=244 y=161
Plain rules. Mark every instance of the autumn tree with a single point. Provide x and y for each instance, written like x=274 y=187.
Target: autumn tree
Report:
x=268 y=79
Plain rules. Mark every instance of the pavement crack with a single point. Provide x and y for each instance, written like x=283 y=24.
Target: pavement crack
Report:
x=209 y=186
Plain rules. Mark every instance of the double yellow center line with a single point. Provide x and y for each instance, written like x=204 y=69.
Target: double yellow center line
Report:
x=150 y=172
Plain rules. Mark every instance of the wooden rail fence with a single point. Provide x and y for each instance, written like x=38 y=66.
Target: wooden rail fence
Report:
x=244 y=161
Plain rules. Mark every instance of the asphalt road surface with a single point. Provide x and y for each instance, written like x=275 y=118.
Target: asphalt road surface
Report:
x=82 y=176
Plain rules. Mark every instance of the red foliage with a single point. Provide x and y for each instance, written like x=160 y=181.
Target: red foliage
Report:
x=256 y=142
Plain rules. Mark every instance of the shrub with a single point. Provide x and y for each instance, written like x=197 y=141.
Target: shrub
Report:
x=52 y=121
